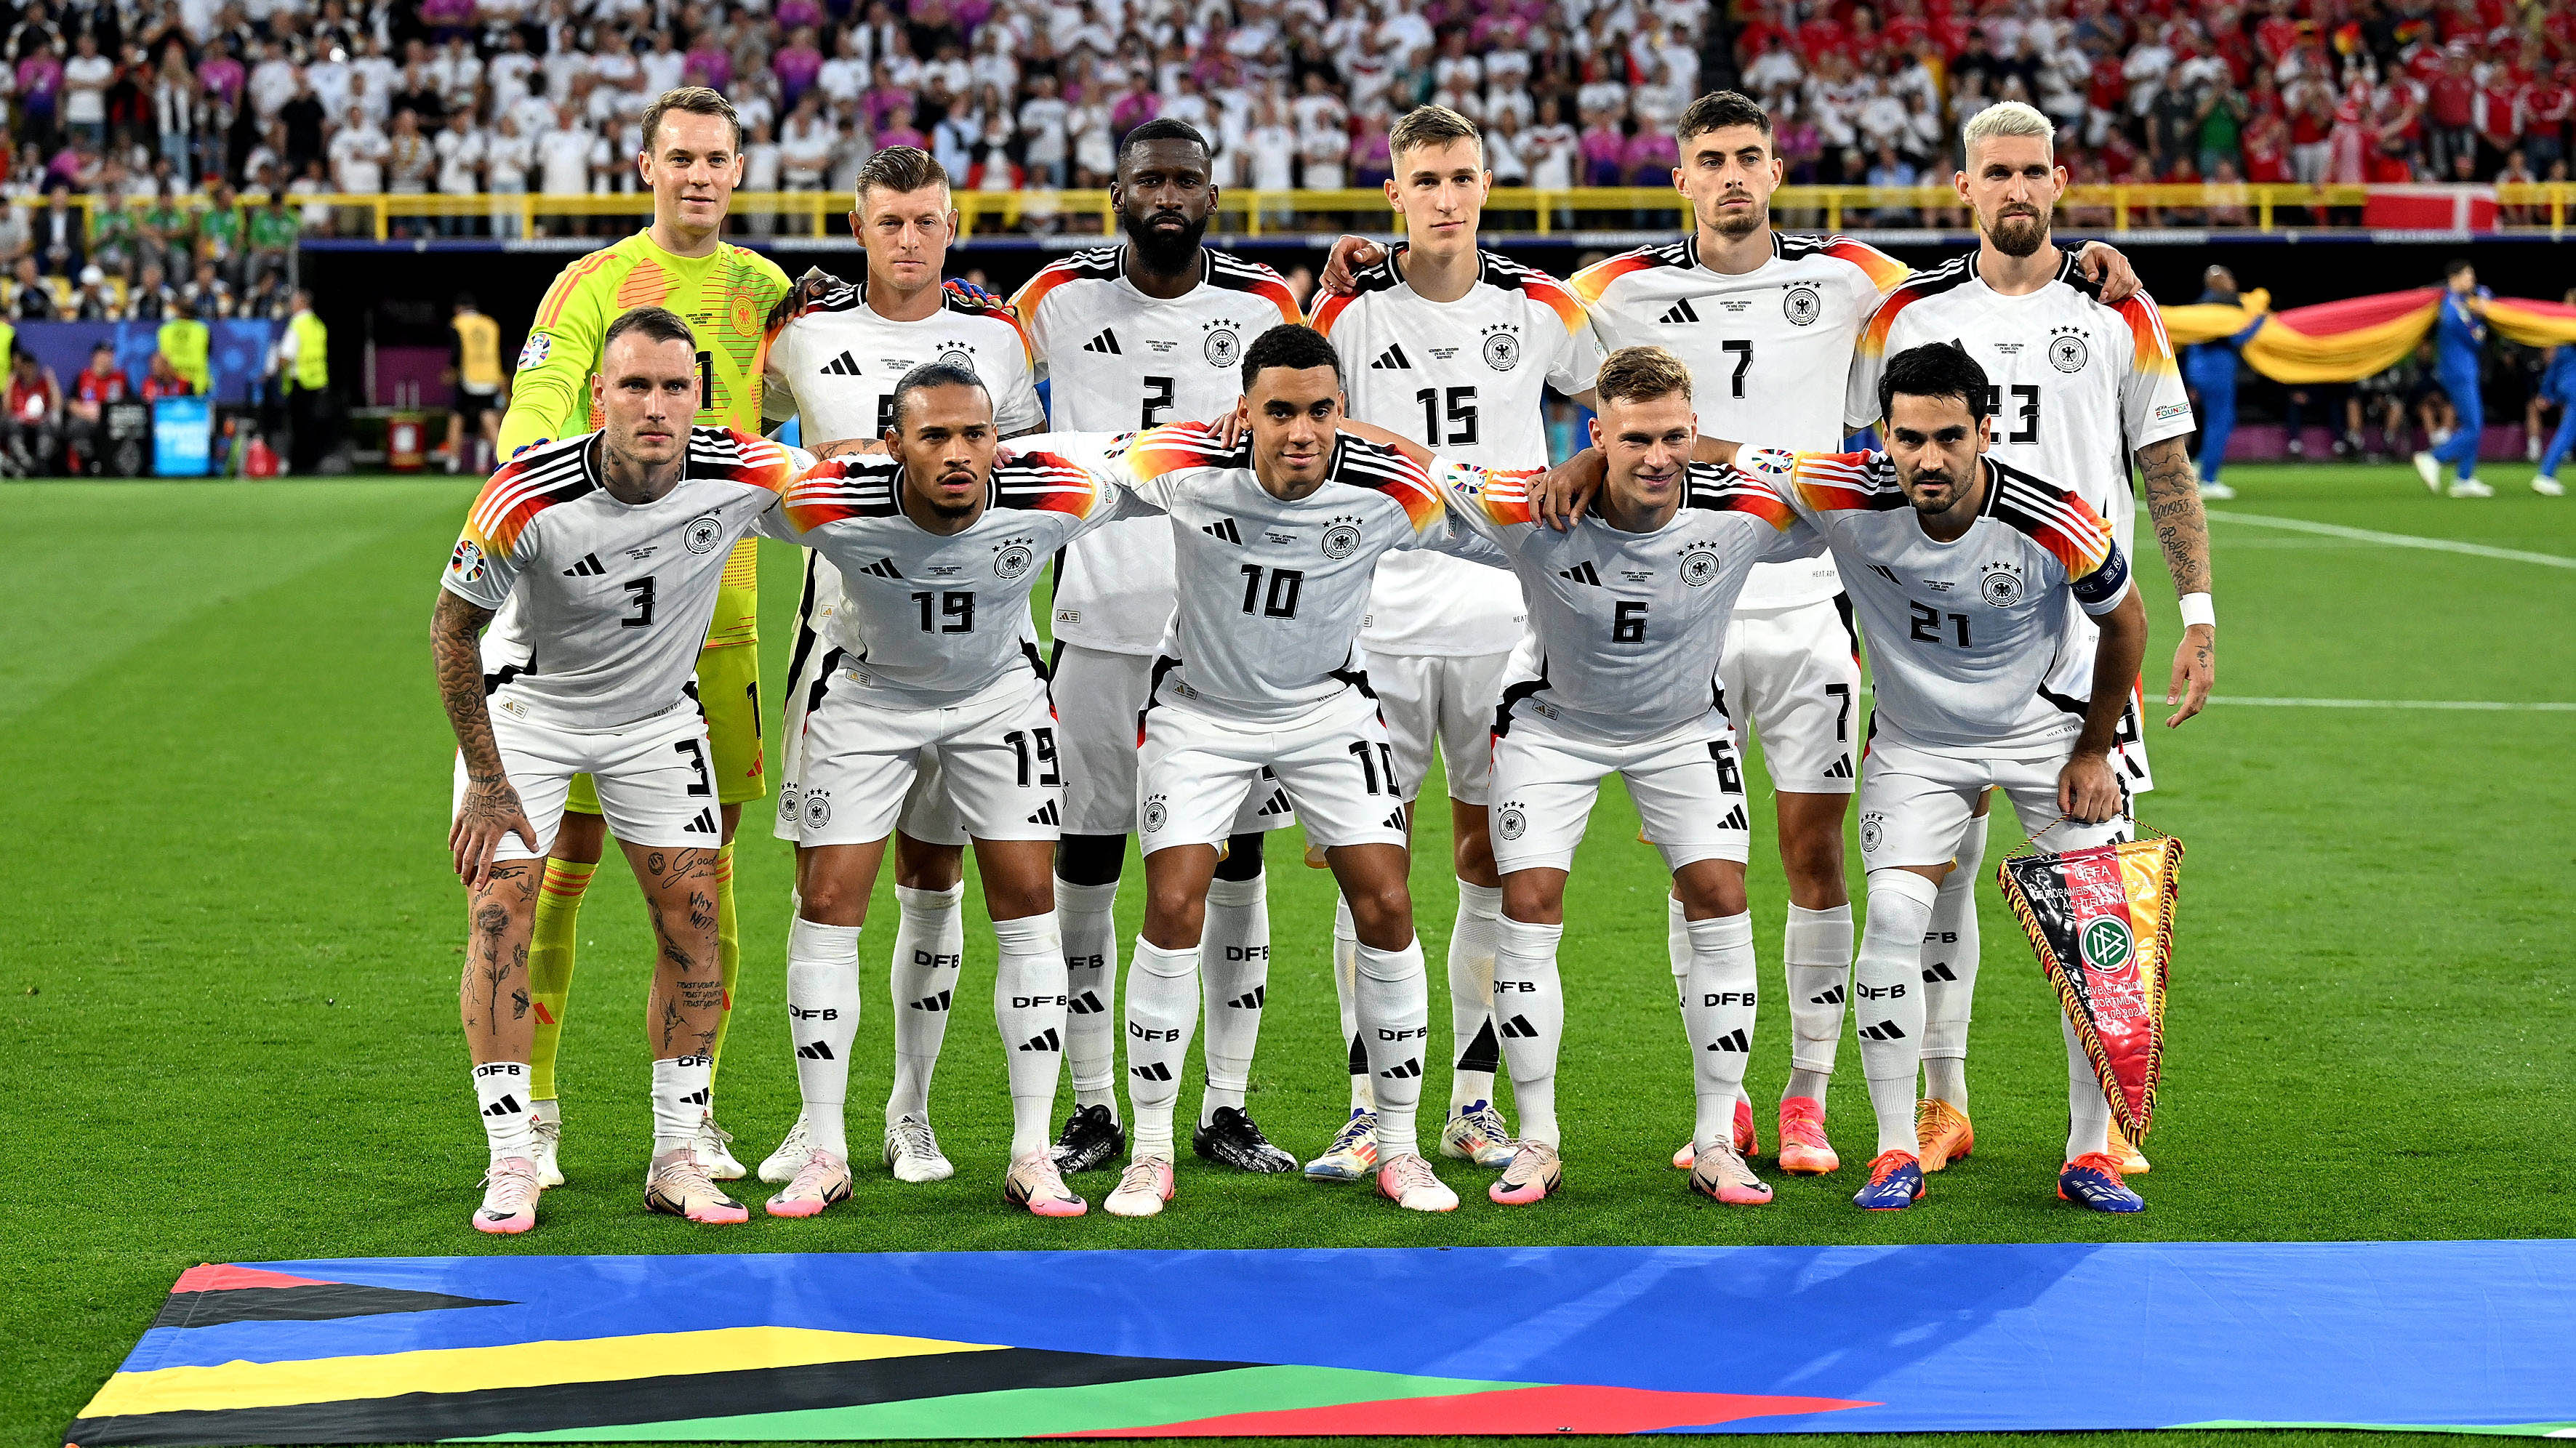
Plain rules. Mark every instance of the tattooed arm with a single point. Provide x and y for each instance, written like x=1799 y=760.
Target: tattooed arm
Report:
x=2182 y=530
x=490 y=810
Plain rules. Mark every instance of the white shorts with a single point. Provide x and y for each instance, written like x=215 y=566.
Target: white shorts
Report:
x=1794 y=677
x=1435 y=698
x=928 y=814
x=1097 y=698
x=1915 y=805
x=995 y=752
x=1688 y=784
x=1199 y=776
x=654 y=786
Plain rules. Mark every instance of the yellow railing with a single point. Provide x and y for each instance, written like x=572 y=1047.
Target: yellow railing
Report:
x=1248 y=213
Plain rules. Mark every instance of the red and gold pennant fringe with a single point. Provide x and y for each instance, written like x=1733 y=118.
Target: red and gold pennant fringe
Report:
x=2101 y=922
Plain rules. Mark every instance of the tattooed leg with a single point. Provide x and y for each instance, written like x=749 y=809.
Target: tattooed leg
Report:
x=492 y=996
x=688 y=995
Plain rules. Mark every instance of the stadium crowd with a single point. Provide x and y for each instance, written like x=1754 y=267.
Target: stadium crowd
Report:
x=285 y=101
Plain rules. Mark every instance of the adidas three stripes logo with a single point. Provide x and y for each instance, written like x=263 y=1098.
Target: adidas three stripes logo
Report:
x=588 y=567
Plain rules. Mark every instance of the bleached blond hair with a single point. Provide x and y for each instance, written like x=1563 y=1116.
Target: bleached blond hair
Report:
x=2007 y=118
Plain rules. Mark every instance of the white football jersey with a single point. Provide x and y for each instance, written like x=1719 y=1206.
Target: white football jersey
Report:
x=2075 y=387
x=1117 y=360
x=835 y=363
x=1467 y=378
x=1965 y=637
x=1625 y=628
x=1271 y=591
x=612 y=600
x=928 y=619
x=1769 y=350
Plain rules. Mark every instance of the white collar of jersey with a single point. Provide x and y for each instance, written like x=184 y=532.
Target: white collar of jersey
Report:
x=1207 y=268
x=1690 y=253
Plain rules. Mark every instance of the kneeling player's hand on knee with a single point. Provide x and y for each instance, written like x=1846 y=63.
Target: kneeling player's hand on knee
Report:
x=2087 y=792
x=489 y=813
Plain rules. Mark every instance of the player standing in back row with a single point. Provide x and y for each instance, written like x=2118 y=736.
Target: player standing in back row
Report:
x=692 y=161
x=1134 y=337
x=1454 y=348
x=836 y=356
x=2075 y=386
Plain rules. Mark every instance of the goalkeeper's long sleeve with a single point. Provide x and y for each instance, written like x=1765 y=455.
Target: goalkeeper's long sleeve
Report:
x=550 y=395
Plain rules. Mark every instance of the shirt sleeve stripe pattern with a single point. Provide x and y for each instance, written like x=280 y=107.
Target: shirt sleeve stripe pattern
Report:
x=832 y=492
x=533 y=482
x=1725 y=490
x=1235 y=274
x=1046 y=483
x=2055 y=519
x=1843 y=482
x=2155 y=351
x=1182 y=445
x=1884 y=272
x=1384 y=470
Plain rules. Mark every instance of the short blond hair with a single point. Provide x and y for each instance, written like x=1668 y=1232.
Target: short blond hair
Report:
x=1642 y=374
x=901 y=170
x=1432 y=126
x=2007 y=118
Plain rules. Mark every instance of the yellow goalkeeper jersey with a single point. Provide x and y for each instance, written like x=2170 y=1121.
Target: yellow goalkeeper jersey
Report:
x=725 y=295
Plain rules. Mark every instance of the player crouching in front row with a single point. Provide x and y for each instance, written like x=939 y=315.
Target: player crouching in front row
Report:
x=617 y=542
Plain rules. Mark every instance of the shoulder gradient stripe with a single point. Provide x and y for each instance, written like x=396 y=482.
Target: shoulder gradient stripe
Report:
x=853 y=1347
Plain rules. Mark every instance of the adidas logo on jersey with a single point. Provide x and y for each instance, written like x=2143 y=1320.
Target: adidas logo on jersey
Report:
x=1046 y=815
x=814 y=1051
x=1252 y=999
x=883 y=568
x=1519 y=1028
x=1937 y=972
x=1224 y=531
x=937 y=1002
x=1734 y=820
x=1734 y=1040
x=1883 y=1031
x=506 y=1106
x=1883 y=571
x=1106 y=342
x=704 y=824
x=1085 y=1004
x=1582 y=572
x=1151 y=1071
x=1392 y=360
x=1274 y=806
x=1409 y=1067
x=1681 y=312
x=588 y=567
x=1833 y=996
x=1043 y=1041
x=844 y=365
x=1841 y=768
x=1396 y=821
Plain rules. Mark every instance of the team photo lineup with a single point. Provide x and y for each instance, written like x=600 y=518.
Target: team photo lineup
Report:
x=1298 y=563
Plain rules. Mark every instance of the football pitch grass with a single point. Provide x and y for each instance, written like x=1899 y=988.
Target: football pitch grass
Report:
x=234 y=942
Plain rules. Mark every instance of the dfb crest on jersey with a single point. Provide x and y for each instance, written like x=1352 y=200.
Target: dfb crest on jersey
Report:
x=1502 y=350
x=1802 y=306
x=789 y=800
x=540 y=346
x=1873 y=830
x=2001 y=587
x=956 y=356
x=1224 y=346
x=467 y=561
x=1341 y=539
x=818 y=809
x=1510 y=823
x=1155 y=814
x=2066 y=350
x=1012 y=559
x=703 y=534
x=1699 y=566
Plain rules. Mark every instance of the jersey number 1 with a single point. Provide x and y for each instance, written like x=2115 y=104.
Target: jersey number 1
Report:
x=706 y=381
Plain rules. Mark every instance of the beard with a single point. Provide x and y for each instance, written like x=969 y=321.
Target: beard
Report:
x=1732 y=224
x=944 y=509
x=2019 y=236
x=1163 y=251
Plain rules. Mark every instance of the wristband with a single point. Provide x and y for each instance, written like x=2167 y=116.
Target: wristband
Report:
x=2197 y=609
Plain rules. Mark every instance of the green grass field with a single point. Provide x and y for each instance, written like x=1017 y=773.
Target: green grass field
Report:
x=231 y=957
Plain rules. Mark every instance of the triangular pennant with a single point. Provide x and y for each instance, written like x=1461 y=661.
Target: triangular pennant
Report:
x=225 y=1277
x=2101 y=922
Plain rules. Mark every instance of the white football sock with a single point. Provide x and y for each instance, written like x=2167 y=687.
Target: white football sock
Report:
x=501 y=1094
x=929 y=948
x=1393 y=997
x=680 y=1095
x=1717 y=1013
x=1887 y=1000
x=1529 y=1014
x=1087 y=916
x=1950 y=950
x=1471 y=995
x=2088 y=1111
x=822 y=1020
x=1677 y=947
x=1162 y=1014
x=1028 y=1008
x=1816 y=949
x=1346 y=969
x=1234 y=971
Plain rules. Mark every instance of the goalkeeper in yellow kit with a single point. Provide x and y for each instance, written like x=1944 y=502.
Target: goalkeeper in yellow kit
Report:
x=692 y=162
